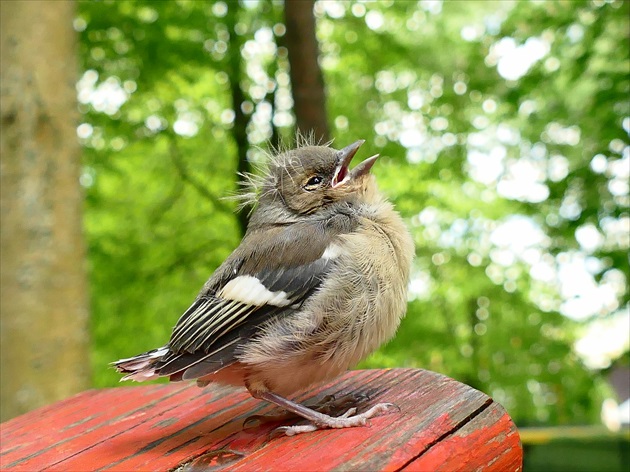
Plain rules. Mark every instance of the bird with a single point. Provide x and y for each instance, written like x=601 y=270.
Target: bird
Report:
x=318 y=282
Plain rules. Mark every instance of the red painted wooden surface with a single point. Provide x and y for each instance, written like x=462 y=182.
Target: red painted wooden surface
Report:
x=442 y=425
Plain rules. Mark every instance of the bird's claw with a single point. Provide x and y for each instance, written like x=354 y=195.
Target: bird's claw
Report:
x=348 y=420
x=348 y=413
x=293 y=430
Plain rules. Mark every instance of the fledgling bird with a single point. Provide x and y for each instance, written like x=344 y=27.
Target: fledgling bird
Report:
x=318 y=282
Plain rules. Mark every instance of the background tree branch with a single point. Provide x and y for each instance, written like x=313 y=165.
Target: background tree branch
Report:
x=307 y=81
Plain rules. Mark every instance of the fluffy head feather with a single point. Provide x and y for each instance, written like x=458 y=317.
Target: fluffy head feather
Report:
x=305 y=180
x=253 y=183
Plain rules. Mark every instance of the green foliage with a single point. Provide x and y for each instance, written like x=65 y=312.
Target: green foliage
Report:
x=420 y=83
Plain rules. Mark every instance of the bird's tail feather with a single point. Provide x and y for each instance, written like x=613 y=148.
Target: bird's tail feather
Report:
x=141 y=367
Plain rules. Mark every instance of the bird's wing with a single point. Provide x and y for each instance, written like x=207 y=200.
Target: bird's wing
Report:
x=270 y=274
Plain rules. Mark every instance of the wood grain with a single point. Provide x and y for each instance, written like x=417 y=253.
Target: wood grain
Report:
x=442 y=425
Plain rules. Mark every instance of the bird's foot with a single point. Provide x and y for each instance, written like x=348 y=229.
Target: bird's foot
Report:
x=330 y=405
x=347 y=420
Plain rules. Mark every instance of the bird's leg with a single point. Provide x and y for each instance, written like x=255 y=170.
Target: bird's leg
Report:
x=329 y=405
x=319 y=420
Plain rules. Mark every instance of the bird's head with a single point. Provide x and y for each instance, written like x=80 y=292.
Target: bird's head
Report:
x=311 y=178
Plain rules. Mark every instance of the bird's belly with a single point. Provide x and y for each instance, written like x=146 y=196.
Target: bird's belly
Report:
x=357 y=308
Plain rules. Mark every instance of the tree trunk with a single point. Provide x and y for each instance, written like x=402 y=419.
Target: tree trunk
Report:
x=44 y=303
x=307 y=82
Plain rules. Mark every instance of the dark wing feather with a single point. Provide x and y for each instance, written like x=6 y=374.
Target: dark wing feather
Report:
x=285 y=259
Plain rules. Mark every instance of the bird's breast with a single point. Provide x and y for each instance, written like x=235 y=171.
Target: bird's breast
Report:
x=367 y=287
x=357 y=307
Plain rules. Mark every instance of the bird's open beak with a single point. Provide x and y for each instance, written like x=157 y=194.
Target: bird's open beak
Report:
x=344 y=156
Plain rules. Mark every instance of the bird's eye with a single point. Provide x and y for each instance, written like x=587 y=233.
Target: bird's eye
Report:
x=313 y=183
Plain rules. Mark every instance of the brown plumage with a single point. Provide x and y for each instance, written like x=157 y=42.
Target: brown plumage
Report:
x=318 y=283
